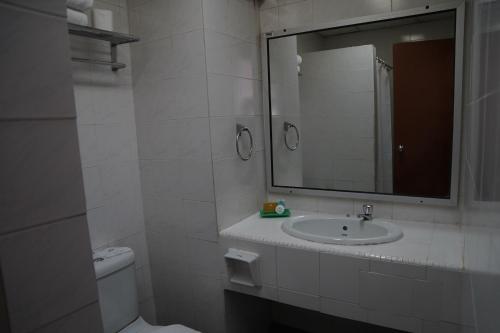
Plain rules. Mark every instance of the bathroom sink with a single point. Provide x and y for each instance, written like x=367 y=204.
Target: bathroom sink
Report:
x=342 y=230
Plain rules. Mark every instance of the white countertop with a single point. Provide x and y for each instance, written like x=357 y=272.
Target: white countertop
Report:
x=429 y=244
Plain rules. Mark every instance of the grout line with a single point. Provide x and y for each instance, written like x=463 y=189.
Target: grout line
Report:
x=96 y=302
x=33 y=119
x=42 y=224
x=13 y=5
x=209 y=122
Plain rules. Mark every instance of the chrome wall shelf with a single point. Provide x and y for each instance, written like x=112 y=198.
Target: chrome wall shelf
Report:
x=114 y=39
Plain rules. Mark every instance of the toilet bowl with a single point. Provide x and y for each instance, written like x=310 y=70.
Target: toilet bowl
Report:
x=115 y=274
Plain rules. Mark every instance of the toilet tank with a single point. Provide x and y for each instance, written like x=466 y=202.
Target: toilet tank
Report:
x=115 y=273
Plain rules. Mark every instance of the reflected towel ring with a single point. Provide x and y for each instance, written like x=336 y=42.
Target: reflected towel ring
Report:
x=239 y=131
x=286 y=127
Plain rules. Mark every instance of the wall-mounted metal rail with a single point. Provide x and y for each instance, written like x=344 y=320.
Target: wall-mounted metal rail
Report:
x=114 y=39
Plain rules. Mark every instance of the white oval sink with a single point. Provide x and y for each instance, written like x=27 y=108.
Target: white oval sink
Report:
x=342 y=230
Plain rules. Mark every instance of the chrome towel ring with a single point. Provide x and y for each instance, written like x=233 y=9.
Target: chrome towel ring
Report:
x=286 y=127
x=239 y=131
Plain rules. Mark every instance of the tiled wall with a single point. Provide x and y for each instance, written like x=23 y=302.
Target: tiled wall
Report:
x=233 y=60
x=195 y=75
x=480 y=173
x=277 y=14
x=45 y=256
x=108 y=146
x=171 y=104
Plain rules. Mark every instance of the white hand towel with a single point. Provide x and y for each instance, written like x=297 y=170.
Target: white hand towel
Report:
x=77 y=17
x=103 y=19
x=80 y=4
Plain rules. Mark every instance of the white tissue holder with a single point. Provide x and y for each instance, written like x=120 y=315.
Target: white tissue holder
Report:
x=243 y=267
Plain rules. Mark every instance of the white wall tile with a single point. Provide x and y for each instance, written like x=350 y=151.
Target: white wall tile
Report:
x=208 y=304
x=184 y=15
x=147 y=310
x=298 y=270
x=223 y=130
x=204 y=257
x=265 y=291
x=169 y=250
x=380 y=209
x=174 y=296
x=393 y=268
x=301 y=300
x=220 y=98
x=196 y=180
x=99 y=226
x=231 y=56
x=295 y=14
x=339 y=276
x=426 y=299
x=398 y=322
x=410 y=212
x=233 y=208
x=136 y=242
x=336 y=206
x=269 y=19
x=343 y=309
x=201 y=220
x=396 y=293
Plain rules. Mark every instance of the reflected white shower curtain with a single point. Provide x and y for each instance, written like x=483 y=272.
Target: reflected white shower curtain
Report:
x=384 y=130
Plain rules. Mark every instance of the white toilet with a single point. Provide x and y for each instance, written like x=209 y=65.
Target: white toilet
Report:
x=115 y=273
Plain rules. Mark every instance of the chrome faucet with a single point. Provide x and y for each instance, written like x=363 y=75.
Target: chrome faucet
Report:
x=367 y=214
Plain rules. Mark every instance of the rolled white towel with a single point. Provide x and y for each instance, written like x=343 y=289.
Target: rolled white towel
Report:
x=79 y=4
x=102 y=19
x=77 y=17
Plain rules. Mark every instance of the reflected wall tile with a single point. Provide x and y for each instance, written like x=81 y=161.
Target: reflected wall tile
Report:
x=99 y=226
x=208 y=302
x=222 y=131
x=269 y=19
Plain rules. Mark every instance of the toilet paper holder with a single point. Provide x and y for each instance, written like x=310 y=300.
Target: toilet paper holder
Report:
x=243 y=267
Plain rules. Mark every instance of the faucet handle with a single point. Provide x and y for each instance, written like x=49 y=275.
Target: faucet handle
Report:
x=368 y=209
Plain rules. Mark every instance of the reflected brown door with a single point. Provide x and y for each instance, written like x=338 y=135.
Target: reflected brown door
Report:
x=423 y=117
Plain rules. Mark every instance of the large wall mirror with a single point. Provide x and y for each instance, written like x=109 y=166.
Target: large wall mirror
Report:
x=368 y=107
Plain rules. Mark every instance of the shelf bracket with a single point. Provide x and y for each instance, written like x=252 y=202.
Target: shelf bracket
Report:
x=114 y=39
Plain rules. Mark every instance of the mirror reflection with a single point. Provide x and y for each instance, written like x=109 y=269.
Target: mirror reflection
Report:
x=365 y=108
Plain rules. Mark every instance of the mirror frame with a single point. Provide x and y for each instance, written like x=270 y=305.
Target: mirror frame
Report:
x=459 y=8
